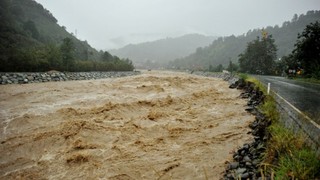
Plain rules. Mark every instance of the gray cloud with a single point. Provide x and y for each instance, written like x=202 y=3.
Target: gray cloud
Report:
x=110 y=24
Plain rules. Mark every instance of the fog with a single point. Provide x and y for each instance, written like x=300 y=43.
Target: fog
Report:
x=108 y=24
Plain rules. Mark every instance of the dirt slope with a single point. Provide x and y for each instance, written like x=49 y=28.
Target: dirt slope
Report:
x=158 y=125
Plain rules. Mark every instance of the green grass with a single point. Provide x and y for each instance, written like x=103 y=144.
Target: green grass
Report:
x=287 y=155
x=309 y=80
x=243 y=76
x=299 y=164
x=257 y=83
x=282 y=142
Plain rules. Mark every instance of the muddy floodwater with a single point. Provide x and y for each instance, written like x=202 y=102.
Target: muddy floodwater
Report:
x=157 y=125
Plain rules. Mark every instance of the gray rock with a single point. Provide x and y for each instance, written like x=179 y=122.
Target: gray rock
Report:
x=247 y=159
x=255 y=162
x=233 y=165
x=4 y=78
x=30 y=78
x=8 y=78
x=230 y=176
x=245 y=176
x=246 y=146
x=241 y=171
x=248 y=164
x=237 y=158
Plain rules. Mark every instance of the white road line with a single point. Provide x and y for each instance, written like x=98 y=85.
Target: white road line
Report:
x=300 y=112
x=294 y=85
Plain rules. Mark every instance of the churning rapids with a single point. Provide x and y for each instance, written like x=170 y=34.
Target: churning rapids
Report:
x=157 y=125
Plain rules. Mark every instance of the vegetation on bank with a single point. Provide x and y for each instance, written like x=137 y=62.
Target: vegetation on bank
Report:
x=287 y=155
x=309 y=80
x=304 y=61
x=260 y=55
x=305 y=58
x=61 y=58
x=31 y=40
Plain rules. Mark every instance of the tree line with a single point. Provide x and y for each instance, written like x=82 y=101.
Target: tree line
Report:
x=31 y=40
x=61 y=58
x=260 y=55
x=226 y=49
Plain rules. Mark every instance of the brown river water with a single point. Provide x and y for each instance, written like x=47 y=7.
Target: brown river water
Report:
x=157 y=125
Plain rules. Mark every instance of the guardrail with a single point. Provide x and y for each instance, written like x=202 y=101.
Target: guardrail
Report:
x=296 y=120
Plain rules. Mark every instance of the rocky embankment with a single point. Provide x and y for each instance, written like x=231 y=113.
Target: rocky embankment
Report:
x=38 y=77
x=247 y=159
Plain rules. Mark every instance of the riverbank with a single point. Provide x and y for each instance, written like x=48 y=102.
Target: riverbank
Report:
x=39 y=77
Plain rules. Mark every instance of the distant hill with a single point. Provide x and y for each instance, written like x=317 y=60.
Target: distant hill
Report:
x=163 y=50
x=226 y=49
x=31 y=39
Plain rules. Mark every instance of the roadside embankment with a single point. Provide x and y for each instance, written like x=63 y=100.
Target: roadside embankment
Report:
x=298 y=122
x=38 y=77
x=247 y=159
x=282 y=139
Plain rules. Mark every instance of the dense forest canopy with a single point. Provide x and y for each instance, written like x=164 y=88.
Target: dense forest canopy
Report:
x=305 y=58
x=259 y=56
x=31 y=40
x=226 y=49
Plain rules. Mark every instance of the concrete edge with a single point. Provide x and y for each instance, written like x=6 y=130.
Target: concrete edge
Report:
x=296 y=120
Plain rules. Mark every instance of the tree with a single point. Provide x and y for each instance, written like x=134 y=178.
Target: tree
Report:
x=219 y=68
x=211 y=68
x=232 y=67
x=67 y=52
x=259 y=56
x=53 y=54
x=106 y=56
x=30 y=27
x=307 y=50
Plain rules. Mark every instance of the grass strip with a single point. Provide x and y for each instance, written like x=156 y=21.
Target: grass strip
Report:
x=287 y=155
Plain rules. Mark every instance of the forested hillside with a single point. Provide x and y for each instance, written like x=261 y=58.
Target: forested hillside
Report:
x=160 y=52
x=226 y=49
x=31 y=40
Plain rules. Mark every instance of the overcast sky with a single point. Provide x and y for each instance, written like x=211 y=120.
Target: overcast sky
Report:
x=108 y=24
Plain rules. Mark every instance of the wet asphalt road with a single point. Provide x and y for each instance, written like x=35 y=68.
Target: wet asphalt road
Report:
x=304 y=96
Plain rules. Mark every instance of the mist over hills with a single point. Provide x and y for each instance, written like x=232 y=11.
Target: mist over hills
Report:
x=161 y=51
x=226 y=49
x=31 y=36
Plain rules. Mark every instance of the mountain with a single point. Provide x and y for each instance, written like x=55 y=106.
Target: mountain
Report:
x=25 y=23
x=162 y=51
x=32 y=40
x=226 y=49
